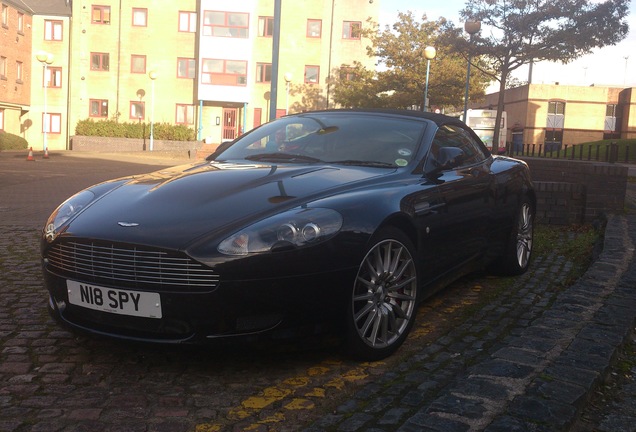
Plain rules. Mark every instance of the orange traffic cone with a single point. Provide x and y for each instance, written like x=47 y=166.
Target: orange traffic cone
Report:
x=46 y=153
x=30 y=156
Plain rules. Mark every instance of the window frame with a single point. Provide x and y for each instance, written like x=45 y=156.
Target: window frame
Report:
x=3 y=68
x=262 y=72
x=307 y=81
x=349 y=29
x=207 y=78
x=144 y=12
x=189 y=109
x=191 y=61
x=52 y=71
x=5 y=16
x=100 y=113
x=191 y=22
x=50 y=33
x=101 y=67
x=47 y=121
x=19 y=72
x=137 y=105
x=134 y=57
x=102 y=9
x=266 y=26
x=319 y=22
x=20 y=23
x=243 y=31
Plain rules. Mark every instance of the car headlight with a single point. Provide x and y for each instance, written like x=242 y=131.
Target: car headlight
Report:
x=295 y=228
x=66 y=211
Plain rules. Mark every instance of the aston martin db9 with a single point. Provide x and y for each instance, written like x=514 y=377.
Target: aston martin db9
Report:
x=339 y=220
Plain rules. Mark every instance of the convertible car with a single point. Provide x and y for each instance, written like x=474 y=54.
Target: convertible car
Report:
x=338 y=220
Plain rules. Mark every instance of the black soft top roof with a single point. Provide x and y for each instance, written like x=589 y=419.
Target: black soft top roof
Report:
x=438 y=119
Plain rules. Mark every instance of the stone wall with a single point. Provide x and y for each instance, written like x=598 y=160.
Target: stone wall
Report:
x=577 y=191
x=101 y=144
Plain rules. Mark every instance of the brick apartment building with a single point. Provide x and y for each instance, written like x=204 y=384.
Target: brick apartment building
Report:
x=206 y=64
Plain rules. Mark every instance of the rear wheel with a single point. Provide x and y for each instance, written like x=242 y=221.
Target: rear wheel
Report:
x=519 y=248
x=384 y=298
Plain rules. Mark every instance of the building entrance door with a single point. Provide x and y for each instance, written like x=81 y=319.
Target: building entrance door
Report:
x=230 y=124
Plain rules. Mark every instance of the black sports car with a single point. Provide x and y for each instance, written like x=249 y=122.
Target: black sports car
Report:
x=342 y=220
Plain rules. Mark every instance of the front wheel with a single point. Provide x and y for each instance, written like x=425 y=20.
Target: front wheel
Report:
x=519 y=248
x=384 y=298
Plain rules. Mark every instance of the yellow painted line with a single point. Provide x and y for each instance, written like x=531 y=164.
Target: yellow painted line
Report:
x=290 y=389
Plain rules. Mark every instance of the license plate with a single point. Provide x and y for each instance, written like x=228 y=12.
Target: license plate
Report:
x=122 y=302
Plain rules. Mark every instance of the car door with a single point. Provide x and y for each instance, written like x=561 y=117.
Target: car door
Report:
x=465 y=191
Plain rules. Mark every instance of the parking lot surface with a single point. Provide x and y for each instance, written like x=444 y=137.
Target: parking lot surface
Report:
x=527 y=358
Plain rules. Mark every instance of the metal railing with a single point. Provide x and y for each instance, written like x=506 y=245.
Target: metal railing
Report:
x=596 y=152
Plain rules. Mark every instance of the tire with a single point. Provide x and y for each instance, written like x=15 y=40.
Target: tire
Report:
x=384 y=298
x=519 y=248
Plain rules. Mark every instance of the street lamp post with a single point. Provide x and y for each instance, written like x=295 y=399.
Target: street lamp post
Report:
x=46 y=59
x=153 y=76
x=471 y=27
x=429 y=54
x=288 y=78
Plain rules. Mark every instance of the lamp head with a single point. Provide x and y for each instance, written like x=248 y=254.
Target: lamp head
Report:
x=472 y=27
x=430 y=53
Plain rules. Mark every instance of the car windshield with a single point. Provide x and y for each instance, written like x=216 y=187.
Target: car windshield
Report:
x=351 y=139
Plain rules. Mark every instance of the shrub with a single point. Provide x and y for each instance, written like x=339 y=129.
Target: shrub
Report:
x=111 y=128
x=9 y=141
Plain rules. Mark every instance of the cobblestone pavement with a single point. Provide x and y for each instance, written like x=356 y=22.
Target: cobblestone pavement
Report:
x=522 y=354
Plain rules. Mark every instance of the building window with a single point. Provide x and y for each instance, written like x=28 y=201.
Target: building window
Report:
x=99 y=61
x=264 y=72
x=224 y=72
x=186 y=68
x=53 y=30
x=5 y=16
x=138 y=64
x=53 y=77
x=351 y=29
x=20 y=23
x=312 y=74
x=266 y=26
x=225 y=24
x=52 y=123
x=1 y=119
x=347 y=73
x=19 y=71
x=137 y=110
x=3 y=68
x=139 y=17
x=185 y=114
x=612 y=122
x=314 y=28
x=100 y=14
x=98 y=108
x=187 y=22
x=556 y=115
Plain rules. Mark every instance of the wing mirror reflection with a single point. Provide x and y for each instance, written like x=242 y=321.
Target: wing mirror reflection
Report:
x=447 y=159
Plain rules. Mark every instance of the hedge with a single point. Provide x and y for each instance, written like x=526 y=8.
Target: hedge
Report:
x=9 y=141
x=111 y=128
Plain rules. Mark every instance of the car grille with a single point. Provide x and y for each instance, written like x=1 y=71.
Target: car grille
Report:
x=130 y=266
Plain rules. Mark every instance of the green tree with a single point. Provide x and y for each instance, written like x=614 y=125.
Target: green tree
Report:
x=519 y=32
x=400 y=79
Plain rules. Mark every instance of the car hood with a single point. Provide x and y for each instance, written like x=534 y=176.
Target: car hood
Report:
x=173 y=207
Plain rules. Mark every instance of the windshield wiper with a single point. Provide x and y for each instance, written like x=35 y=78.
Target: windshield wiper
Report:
x=375 y=164
x=286 y=157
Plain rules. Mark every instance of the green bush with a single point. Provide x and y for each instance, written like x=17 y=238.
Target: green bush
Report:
x=111 y=128
x=9 y=141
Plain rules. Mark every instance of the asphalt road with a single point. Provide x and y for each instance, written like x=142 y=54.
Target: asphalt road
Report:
x=474 y=361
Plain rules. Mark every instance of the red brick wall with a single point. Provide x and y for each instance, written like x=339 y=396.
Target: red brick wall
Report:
x=577 y=191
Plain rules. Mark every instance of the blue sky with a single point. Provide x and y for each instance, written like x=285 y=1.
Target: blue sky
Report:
x=607 y=66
